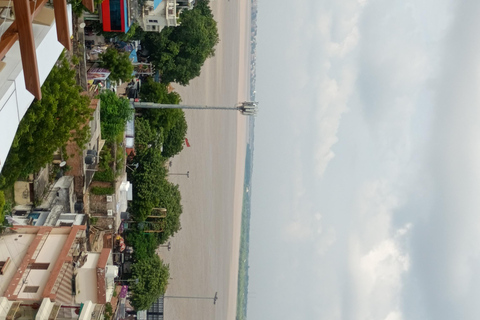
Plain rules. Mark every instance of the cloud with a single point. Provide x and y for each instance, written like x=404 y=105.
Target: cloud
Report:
x=378 y=257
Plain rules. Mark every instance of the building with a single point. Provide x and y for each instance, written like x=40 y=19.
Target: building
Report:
x=115 y=15
x=158 y=14
x=15 y=97
x=38 y=263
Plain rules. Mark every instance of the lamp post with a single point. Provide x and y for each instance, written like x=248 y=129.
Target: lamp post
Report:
x=215 y=298
x=180 y=174
x=168 y=246
x=247 y=108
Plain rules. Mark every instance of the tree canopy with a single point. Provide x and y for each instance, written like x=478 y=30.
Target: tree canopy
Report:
x=62 y=114
x=114 y=114
x=171 y=122
x=153 y=276
x=119 y=64
x=180 y=52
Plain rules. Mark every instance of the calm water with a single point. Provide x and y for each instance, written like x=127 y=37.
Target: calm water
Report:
x=200 y=257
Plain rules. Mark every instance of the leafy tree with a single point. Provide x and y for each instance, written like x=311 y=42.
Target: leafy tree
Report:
x=144 y=244
x=147 y=179
x=180 y=52
x=170 y=198
x=114 y=114
x=152 y=91
x=151 y=190
x=119 y=64
x=153 y=276
x=146 y=136
x=62 y=114
x=171 y=122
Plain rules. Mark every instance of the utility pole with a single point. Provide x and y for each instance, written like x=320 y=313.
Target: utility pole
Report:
x=247 y=108
x=215 y=298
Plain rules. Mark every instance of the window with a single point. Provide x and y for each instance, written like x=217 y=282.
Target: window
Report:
x=4 y=265
x=115 y=15
x=39 y=266
x=30 y=289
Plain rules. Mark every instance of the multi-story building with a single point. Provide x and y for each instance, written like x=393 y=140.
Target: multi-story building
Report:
x=158 y=14
x=15 y=98
x=52 y=263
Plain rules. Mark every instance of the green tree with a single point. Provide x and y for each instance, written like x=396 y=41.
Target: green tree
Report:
x=114 y=114
x=147 y=179
x=152 y=91
x=62 y=114
x=144 y=244
x=153 y=276
x=171 y=122
x=146 y=136
x=180 y=52
x=170 y=199
x=151 y=190
x=119 y=64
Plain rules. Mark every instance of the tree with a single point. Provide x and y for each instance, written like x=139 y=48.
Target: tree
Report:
x=151 y=190
x=144 y=244
x=152 y=91
x=147 y=179
x=153 y=276
x=119 y=64
x=61 y=115
x=180 y=52
x=146 y=136
x=114 y=114
x=170 y=199
x=171 y=122
x=175 y=137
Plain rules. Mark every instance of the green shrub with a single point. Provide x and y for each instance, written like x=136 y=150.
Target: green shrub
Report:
x=105 y=176
x=100 y=191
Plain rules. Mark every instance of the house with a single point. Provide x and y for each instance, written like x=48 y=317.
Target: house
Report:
x=158 y=14
x=38 y=263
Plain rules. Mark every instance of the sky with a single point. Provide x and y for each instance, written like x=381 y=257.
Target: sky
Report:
x=366 y=182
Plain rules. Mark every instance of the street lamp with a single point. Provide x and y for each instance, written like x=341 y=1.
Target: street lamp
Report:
x=180 y=174
x=215 y=298
x=168 y=246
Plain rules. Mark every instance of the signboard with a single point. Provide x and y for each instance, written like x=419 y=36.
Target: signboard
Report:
x=98 y=74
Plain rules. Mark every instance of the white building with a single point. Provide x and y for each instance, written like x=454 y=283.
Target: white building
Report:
x=163 y=13
x=49 y=267
x=14 y=97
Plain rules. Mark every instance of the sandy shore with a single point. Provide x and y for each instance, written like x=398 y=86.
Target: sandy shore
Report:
x=205 y=253
x=243 y=76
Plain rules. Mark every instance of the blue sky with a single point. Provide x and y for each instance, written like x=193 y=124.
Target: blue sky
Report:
x=366 y=189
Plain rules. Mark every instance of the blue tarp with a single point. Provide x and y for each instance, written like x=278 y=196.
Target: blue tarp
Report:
x=127 y=19
x=156 y=3
x=133 y=56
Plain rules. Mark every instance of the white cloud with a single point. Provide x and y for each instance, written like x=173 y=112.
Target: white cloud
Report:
x=378 y=258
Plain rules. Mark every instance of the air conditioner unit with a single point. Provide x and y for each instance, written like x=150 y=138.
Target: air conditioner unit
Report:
x=109 y=198
x=110 y=212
